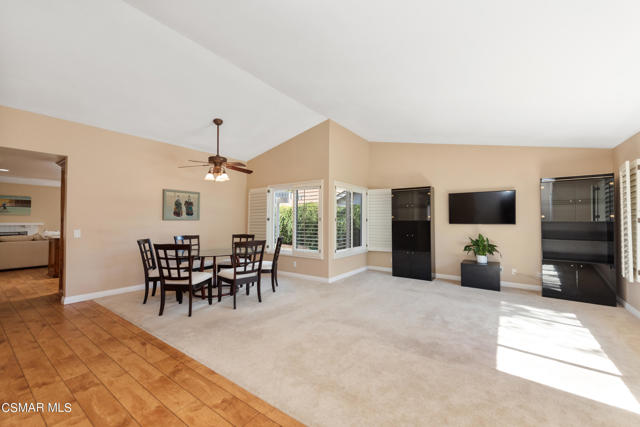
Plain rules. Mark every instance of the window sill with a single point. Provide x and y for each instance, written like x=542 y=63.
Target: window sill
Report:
x=344 y=253
x=300 y=254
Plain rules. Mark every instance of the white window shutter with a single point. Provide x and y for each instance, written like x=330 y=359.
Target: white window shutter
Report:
x=379 y=220
x=257 y=217
x=634 y=190
x=626 y=232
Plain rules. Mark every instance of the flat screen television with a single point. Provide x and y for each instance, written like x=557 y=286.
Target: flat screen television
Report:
x=485 y=207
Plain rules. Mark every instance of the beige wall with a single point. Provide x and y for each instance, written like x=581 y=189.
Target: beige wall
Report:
x=628 y=150
x=114 y=196
x=348 y=163
x=45 y=204
x=458 y=168
x=304 y=157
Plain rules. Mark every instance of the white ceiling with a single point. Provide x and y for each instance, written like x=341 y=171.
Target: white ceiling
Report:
x=29 y=167
x=107 y=64
x=545 y=72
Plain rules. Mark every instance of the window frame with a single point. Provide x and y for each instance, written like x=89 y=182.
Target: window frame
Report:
x=363 y=248
x=302 y=253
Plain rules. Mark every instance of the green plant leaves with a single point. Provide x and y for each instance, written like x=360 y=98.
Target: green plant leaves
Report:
x=481 y=246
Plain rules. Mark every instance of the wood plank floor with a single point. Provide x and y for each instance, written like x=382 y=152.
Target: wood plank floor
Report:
x=110 y=371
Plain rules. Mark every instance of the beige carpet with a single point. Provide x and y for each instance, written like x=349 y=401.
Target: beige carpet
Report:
x=378 y=350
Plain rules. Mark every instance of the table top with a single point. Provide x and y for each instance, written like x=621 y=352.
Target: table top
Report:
x=215 y=252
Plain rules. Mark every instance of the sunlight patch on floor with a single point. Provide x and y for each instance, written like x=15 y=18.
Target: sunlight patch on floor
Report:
x=555 y=349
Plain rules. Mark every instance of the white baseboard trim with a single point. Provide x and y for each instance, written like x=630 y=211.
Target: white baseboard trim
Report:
x=323 y=279
x=93 y=295
x=526 y=286
x=631 y=309
x=347 y=274
x=304 y=276
x=516 y=285
x=447 y=276
x=377 y=268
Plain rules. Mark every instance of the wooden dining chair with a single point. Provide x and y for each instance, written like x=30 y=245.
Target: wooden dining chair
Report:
x=271 y=267
x=174 y=277
x=246 y=269
x=194 y=241
x=235 y=238
x=151 y=274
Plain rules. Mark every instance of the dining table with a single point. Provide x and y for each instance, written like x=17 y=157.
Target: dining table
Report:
x=215 y=254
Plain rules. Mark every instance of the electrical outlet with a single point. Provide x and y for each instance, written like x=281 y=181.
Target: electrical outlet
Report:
x=294 y=264
x=514 y=271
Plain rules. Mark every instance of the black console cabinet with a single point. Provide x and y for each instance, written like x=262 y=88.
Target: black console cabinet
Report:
x=482 y=276
x=578 y=238
x=412 y=233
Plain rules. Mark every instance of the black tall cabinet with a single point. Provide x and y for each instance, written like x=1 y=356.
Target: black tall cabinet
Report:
x=578 y=238
x=412 y=233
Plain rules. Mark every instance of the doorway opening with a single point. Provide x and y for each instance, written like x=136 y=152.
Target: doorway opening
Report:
x=33 y=188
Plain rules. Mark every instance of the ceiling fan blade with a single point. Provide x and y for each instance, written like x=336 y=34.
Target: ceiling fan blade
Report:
x=198 y=161
x=235 y=168
x=194 y=166
x=239 y=164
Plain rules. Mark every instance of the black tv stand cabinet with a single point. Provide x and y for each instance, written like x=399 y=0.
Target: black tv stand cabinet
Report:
x=481 y=276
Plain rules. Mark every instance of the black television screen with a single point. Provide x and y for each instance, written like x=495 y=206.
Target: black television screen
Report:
x=486 y=207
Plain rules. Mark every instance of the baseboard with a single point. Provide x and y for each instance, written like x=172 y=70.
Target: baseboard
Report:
x=631 y=309
x=526 y=286
x=304 y=276
x=93 y=295
x=377 y=268
x=347 y=274
x=505 y=284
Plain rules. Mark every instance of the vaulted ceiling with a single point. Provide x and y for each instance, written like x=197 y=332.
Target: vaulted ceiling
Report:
x=544 y=73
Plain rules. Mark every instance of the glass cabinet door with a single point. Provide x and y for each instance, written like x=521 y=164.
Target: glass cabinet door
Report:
x=577 y=200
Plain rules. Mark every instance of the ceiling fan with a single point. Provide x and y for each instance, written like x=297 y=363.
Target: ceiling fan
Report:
x=217 y=164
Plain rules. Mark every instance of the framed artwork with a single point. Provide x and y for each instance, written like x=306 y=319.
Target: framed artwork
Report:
x=180 y=205
x=15 y=205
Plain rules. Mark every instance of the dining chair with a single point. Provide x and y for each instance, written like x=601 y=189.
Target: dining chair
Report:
x=246 y=262
x=271 y=267
x=151 y=274
x=174 y=277
x=235 y=238
x=194 y=241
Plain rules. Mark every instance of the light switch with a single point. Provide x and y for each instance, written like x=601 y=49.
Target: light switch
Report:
x=77 y=234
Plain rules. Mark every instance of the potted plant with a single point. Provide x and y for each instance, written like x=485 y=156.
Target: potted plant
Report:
x=481 y=247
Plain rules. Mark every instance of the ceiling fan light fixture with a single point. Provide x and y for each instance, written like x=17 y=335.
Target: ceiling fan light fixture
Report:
x=209 y=176
x=222 y=177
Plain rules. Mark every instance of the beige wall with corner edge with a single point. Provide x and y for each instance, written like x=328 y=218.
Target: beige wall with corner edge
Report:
x=628 y=150
x=45 y=204
x=305 y=157
x=114 y=196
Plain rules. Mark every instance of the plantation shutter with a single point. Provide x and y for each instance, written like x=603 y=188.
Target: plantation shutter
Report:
x=379 y=220
x=343 y=219
x=307 y=219
x=634 y=187
x=257 y=217
x=626 y=227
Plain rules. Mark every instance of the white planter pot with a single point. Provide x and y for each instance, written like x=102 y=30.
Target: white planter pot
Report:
x=481 y=259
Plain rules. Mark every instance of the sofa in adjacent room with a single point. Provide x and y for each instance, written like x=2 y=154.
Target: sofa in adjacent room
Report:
x=23 y=251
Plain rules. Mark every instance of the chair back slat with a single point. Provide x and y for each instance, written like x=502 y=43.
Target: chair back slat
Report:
x=189 y=239
x=239 y=238
x=247 y=256
x=169 y=257
x=146 y=253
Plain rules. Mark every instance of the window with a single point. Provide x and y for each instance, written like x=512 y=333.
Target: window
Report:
x=291 y=211
x=349 y=219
